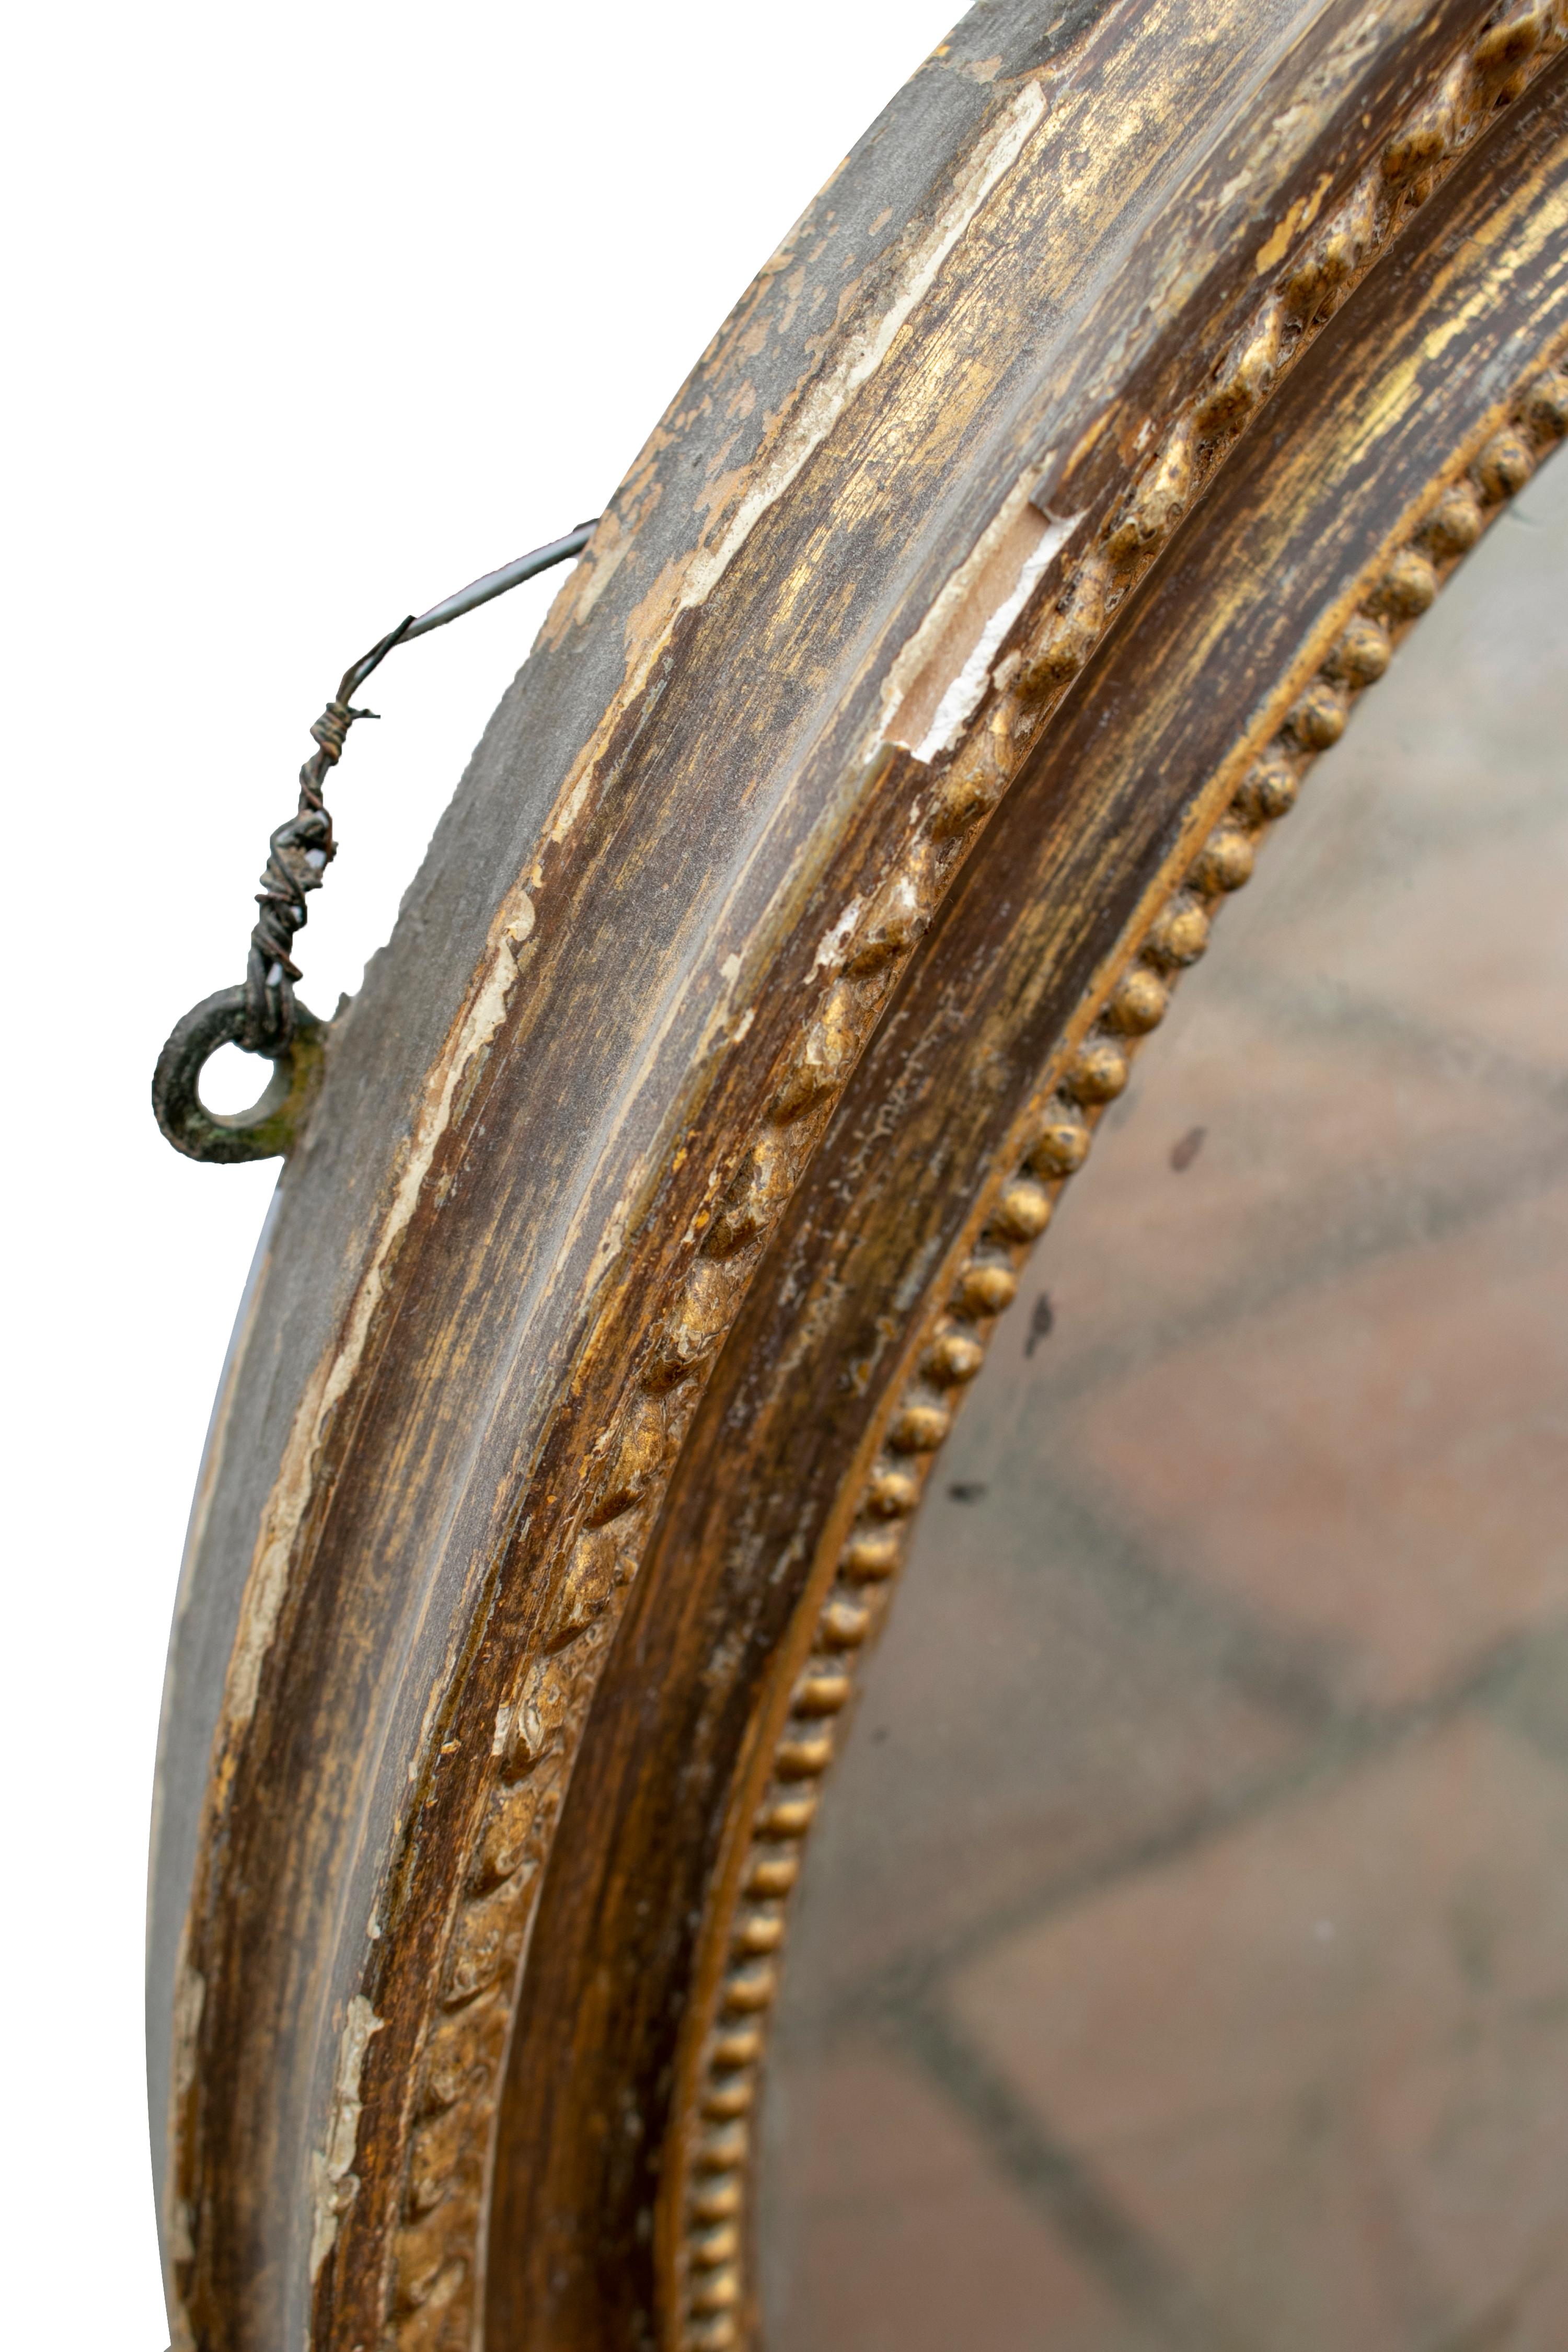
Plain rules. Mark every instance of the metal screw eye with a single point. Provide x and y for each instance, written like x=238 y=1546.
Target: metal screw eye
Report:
x=272 y=1122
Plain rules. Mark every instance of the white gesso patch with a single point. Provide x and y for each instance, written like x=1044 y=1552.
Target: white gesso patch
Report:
x=333 y=2185
x=831 y=945
x=962 y=697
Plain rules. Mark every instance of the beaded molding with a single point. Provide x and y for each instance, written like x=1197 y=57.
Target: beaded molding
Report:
x=437 y=2244
x=954 y=1348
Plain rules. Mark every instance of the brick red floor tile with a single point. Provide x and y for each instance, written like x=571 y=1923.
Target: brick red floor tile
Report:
x=1324 y=2056
x=896 y=2237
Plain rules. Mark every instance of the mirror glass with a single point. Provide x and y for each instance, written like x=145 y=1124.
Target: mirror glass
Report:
x=1181 y=1955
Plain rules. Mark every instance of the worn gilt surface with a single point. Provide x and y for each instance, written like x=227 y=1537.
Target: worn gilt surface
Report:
x=770 y=1430
x=747 y=1923
x=611 y=1123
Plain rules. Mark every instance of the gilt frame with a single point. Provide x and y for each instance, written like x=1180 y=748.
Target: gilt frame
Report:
x=957 y=642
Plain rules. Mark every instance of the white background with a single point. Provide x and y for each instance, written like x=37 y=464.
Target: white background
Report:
x=315 y=313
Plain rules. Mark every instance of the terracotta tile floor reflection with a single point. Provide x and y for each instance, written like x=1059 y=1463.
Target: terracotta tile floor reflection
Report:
x=1182 y=1960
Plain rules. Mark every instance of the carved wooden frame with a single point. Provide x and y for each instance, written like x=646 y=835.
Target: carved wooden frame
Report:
x=969 y=622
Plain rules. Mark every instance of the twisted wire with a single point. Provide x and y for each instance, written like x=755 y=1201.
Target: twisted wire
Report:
x=300 y=851
x=297 y=856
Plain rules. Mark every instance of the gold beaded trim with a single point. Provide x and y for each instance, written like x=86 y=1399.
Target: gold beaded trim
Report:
x=955 y=1346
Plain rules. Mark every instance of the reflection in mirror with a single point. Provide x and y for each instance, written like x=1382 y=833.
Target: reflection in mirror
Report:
x=1183 y=1957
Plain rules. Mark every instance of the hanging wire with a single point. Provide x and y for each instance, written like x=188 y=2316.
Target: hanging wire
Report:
x=300 y=851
